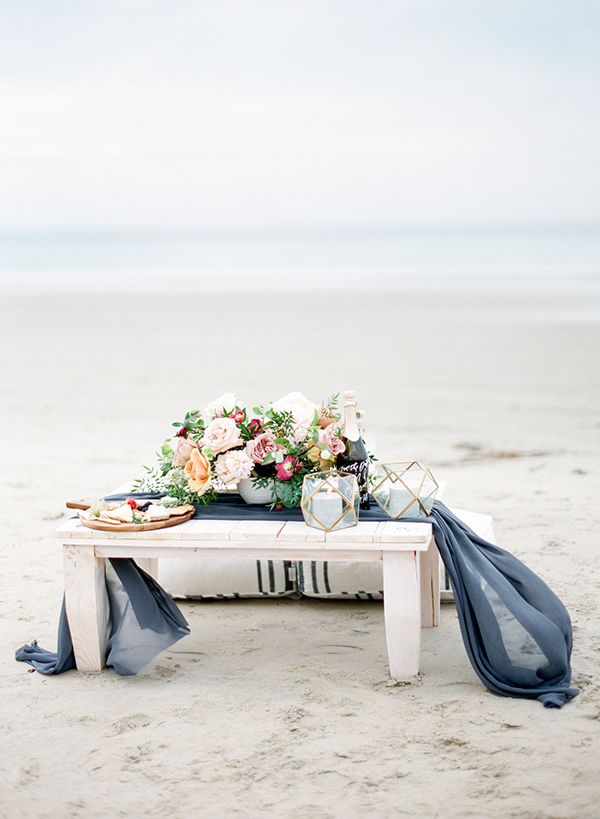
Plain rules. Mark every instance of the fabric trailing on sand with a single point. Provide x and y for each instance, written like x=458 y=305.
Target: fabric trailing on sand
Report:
x=516 y=631
x=144 y=621
x=51 y=662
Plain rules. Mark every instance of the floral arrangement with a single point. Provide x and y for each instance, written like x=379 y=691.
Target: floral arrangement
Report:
x=275 y=446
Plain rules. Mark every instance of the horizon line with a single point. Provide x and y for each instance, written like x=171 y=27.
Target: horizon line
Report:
x=364 y=229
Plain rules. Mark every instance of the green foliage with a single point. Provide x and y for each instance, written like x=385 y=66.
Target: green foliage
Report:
x=286 y=493
x=153 y=481
x=289 y=492
x=174 y=484
x=245 y=433
x=194 y=424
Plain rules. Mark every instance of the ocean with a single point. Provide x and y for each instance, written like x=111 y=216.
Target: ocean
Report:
x=561 y=259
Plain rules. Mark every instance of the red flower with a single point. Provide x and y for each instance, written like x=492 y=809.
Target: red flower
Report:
x=288 y=467
x=255 y=427
x=238 y=416
x=181 y=433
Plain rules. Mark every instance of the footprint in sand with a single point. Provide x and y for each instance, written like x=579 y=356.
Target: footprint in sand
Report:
x=29 y=772
x=450 y=742
x=554 y=544
x=165 y=672
x=139 y=755
x=130 y=723
x=293 y=716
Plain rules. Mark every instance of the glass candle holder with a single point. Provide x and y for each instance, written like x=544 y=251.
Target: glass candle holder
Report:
x=405 y=489
x=330 y=500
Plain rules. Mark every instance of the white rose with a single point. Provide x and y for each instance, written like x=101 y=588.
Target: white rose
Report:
x=232 y=467
x=300 y=406
x=221 y=406
x=221 y=434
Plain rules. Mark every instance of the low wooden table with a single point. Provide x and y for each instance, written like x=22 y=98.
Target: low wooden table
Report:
x=410 y=571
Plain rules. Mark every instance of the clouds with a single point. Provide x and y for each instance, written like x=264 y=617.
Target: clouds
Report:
x=239 y=114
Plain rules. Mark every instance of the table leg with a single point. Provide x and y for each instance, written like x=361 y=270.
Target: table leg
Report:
x=86 y=603
x=149 y=565
x=402 y=612
x=430 y=586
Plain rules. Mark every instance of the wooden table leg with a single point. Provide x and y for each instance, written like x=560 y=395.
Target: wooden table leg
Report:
x=402 y=612
x=430 y=586
x=86 y=603
x=149 y=565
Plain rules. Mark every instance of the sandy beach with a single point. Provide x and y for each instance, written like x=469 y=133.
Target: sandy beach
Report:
x=284 y=708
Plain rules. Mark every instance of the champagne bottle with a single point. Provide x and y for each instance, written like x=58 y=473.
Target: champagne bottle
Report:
x=354 y=459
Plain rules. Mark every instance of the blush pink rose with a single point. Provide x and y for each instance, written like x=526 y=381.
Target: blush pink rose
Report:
x=260 y=447
x=331 y=441
x=182 y=450
x=221 y=434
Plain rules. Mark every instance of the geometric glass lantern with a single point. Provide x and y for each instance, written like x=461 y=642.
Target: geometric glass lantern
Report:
x=330 y=500
x=405 y=490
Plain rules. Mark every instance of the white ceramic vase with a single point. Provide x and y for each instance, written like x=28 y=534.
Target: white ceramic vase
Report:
x=254 y=495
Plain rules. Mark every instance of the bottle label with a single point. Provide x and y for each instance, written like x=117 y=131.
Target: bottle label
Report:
x=361 y=470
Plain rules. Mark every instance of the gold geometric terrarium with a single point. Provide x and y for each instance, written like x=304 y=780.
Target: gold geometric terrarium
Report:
x=405 y=490
x=330 y=500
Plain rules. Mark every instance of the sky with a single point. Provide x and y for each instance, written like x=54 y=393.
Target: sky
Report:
x=182 y=115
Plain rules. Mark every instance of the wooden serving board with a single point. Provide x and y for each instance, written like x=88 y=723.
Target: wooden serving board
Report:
x=83 y=504
x=174 y=520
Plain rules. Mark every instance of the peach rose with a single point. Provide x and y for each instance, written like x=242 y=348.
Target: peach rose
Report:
x=182 y=449
x=259 y=447
x=323 y=420
x=198 y=473
x=330 y=440
x=221 y=434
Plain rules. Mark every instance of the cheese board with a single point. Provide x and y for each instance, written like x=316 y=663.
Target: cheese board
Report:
x=177 y=515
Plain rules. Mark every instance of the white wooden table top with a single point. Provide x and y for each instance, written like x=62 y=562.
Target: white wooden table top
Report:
x=374 y=534
x=233 y=538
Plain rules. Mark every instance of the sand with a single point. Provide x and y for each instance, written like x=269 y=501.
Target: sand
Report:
x=282 y=708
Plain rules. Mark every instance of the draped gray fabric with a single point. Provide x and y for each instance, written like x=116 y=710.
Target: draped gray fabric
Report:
x=144 y=621
x=516 y=631
x=51 y=662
